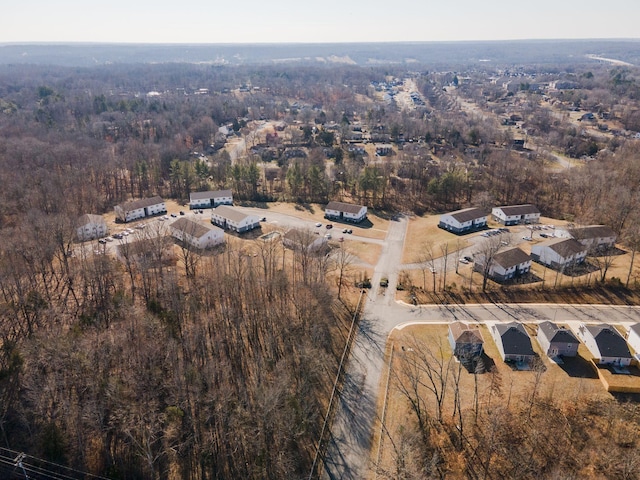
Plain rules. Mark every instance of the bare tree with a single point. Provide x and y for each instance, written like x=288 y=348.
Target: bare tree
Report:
x=484 y=255
x=427 y=260
x=343 y=261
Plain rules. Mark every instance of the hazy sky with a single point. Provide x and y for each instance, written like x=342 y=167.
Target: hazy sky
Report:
x=250 y=21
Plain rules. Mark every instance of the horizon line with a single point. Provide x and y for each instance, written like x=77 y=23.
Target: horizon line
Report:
x=364 y=42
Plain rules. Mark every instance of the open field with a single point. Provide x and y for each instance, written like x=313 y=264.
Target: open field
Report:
x=425 y=229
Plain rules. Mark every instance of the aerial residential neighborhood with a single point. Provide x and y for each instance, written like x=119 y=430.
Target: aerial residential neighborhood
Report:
x=320 y=261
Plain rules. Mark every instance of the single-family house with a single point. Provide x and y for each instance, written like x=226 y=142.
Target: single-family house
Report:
x=462 y=221
x=345 y=211
x=230 y=218
x=513 y=342
x=210 y=199
x=299 y=239
x=594 y=237
x=557 y=341
x=196 y=234
x=516 y=214
x=90 y=226
x=466 y=341
x=145 y=207
x=605 y=344
x=633 y=339
x=559 y=253
x=504 y=265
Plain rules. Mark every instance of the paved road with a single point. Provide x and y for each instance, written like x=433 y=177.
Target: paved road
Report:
x=348 y=450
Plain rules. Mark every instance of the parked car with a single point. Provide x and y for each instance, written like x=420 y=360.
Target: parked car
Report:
x=384 y=282
x=527 y=238
x=349 y=231
x=468 y=258
x=463 y=260
x=328 y=236
x=345 y=231
x=329 y=226
x=318 y=224
x=181 y=212
x=174 y=215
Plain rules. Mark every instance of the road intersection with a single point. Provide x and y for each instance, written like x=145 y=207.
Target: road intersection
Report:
x=348 y=449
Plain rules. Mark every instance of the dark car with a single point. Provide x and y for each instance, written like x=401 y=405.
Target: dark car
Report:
x=181 y=212
x=329 y=226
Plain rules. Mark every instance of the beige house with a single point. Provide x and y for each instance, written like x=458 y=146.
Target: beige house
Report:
x=345 y=211
x=196 y=234
x=145 y=207
x=230 y=218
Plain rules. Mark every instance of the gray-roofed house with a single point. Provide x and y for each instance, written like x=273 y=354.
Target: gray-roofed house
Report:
x=516 y=214
x=196 y=234
x=513 y=342
x=462 y=221
x=633 y=339
x=557 y=341
x=466 y=342
x=145 y=207
x=605 y=344
x=345 y=211
x=595 y=237
x=230 y=218
x=90 y=226
x=559 y=253
x=507 y=264
x=210 y=199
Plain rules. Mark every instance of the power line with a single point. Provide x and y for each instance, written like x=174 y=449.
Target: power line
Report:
x=37 y=465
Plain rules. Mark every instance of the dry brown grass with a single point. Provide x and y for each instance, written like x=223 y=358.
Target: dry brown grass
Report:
x=425 y=229
x=508 y=386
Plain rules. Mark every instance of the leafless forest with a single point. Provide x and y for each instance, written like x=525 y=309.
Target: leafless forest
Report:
x=138 y=369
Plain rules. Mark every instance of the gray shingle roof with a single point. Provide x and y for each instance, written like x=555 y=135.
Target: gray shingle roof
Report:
x=230 y=213
x=209 y=194
x=556 y=334
x=609 y=341
x=467 y=214
x=526 y=209
x=193 y=228
x=565 y=247
x=344 y=207
x=591 y=231
x=515 y=339
x=511 y=257
x=142 y=203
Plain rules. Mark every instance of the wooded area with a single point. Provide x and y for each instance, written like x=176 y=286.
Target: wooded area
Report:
x=136 y=369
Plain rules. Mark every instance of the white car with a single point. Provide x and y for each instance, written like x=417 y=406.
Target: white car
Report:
x=328 y=236
x=318 y=224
